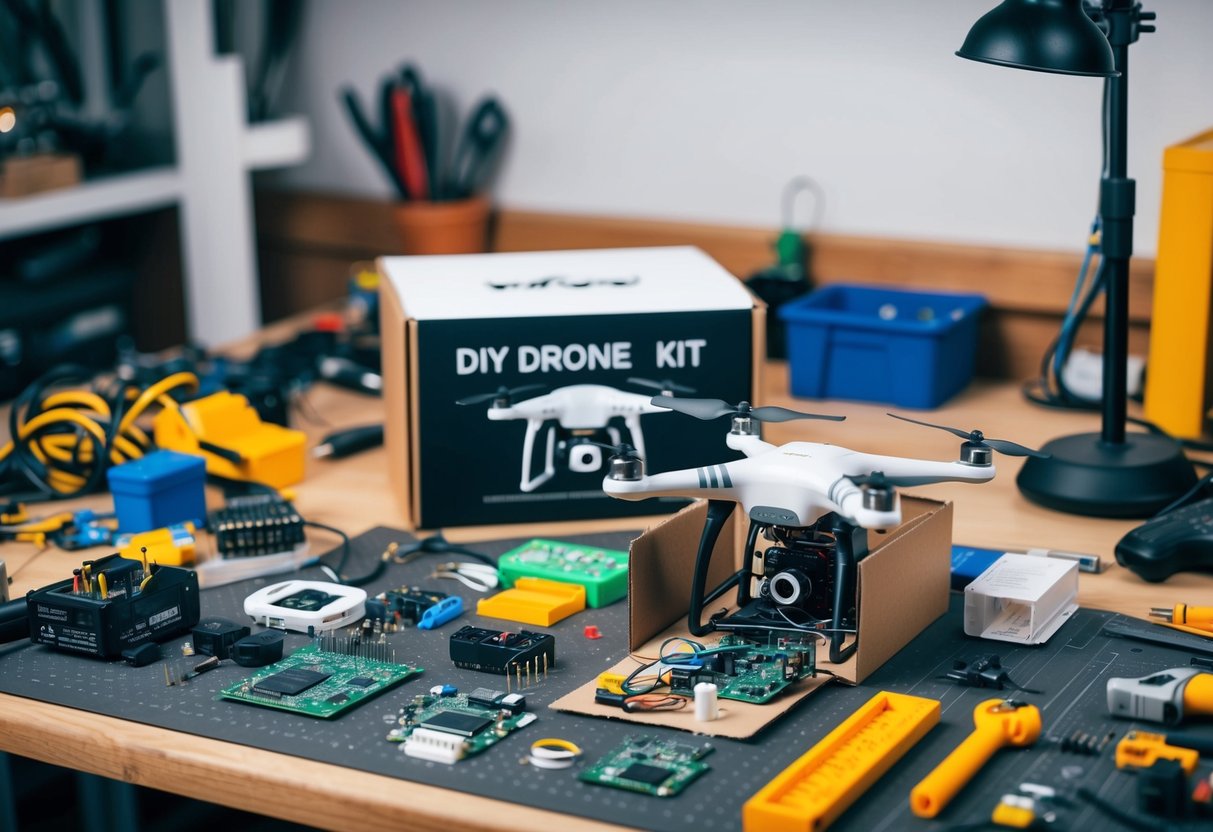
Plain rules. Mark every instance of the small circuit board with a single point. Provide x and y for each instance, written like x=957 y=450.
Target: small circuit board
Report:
x=649 y=765
x=323 y=679
x=447 y=727
x=747 y=672
x=603 y=572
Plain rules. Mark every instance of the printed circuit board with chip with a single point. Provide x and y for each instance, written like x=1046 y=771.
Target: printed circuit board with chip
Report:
x=318 y=682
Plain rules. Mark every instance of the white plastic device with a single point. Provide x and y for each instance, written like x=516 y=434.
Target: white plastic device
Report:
x=302 y=605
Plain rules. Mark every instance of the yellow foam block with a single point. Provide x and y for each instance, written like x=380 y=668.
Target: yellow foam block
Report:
x=534 y=601
x=268 y=453
x=167 y=547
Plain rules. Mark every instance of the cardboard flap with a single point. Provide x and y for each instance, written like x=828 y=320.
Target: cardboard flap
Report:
x=660 y=568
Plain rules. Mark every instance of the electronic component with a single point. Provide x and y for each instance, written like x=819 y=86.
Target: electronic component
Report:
x=324 y=679
x=603 y=572
x=819 y=786
x=1162 y=790
x=535 y=601
x=743 y=671
x=409 y=606
x=983 y=672
x=649 y=765
x=256 y=525
x=553 y=753
x=215 y=636
x=303 y=605
x=446 y=729
x=506 y=653
x=259 y=649
x=142 y=655
x=1142 y=749
x=111 y=604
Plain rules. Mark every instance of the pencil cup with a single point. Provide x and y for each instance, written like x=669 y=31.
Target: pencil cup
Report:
x=455 y=227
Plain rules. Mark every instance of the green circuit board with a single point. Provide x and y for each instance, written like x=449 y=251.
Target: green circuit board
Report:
x=749 y=672
x=603 y=572
x=319 y=683
x=471 y=723
x=649 y=765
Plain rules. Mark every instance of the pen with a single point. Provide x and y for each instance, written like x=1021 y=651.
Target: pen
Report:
x=345 y=442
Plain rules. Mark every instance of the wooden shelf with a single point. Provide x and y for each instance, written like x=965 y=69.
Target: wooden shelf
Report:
x=96 y=199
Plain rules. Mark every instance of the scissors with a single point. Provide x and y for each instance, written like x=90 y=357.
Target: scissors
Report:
x=479 y=147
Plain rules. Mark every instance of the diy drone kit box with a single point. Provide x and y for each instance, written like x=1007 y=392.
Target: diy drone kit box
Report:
x=903 y=586
x=505 y=375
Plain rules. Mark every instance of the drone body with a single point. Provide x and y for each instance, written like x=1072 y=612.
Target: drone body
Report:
x=797 y=484
x=813 y=501
x=578 y=417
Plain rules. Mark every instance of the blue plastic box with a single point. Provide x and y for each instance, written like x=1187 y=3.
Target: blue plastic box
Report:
x=910 y=349
x=158 y=490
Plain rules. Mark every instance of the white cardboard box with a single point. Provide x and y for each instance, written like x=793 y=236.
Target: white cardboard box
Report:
x=575 y=327
x=1021 y=599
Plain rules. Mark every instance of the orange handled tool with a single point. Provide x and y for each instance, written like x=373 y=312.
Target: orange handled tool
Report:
x=999 y=723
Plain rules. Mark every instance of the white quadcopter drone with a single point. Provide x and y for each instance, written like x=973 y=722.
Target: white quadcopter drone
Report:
x=580 y=414
x=813 y=501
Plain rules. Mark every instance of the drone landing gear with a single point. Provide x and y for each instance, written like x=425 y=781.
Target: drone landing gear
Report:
x=845 y=545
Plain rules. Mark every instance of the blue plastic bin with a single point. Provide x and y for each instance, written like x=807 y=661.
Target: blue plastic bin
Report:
x=910 y=349
x=158 y=490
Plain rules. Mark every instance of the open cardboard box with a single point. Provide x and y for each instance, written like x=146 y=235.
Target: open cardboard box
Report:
x=902 y=587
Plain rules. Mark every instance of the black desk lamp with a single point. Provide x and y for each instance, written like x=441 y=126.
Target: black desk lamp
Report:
x=1110 y=473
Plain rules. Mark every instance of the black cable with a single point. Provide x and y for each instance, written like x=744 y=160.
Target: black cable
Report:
x=1120 y=815
x=436 y=544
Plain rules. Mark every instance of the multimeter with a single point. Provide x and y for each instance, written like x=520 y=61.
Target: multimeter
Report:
x=306 y=605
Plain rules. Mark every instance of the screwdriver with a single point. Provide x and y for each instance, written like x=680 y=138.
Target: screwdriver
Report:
x=1199 y=619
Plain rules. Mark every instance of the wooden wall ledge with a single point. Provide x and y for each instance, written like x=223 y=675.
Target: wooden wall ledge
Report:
x=304 y=237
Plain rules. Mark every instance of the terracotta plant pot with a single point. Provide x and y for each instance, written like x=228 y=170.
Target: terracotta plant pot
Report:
x=455 y=227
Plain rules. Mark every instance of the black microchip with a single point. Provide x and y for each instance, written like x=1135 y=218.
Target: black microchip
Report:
x=642 y=773
x=457 y=722
x=337 y=698
x=361 y=681
x=290 y=682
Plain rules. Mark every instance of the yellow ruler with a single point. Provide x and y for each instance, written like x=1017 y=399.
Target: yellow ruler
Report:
x=812 y=792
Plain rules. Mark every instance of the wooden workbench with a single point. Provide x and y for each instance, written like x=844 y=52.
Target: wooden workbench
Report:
x=353 y=494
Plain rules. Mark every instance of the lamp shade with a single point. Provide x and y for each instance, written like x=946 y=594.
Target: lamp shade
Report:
x=1041 y=35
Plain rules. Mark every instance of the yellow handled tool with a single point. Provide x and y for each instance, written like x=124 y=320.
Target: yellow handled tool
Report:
x=999 y=723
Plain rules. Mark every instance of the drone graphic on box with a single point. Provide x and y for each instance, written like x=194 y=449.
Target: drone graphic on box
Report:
x=812 y=502
x=580 y=421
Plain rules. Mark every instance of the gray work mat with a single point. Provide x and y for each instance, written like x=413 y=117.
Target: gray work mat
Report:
x=1070 y=671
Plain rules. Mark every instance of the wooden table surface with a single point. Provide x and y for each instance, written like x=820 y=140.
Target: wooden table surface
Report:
x=353 y=495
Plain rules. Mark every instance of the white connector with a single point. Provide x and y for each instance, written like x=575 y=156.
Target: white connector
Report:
x=1083 y=374
x=435 y=746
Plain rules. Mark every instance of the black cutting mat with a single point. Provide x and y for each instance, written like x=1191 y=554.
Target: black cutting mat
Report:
x=1070 y=670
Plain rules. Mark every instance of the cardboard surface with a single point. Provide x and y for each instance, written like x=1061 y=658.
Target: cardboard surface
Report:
x=902 y=588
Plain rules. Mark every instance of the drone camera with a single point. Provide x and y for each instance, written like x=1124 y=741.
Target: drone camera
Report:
x=798 y=578
x=585 y=458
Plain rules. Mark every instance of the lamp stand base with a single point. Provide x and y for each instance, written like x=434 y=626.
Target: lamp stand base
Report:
x=1085 y=475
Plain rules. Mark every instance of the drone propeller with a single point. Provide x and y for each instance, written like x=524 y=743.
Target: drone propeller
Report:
x=621 y=451
x=665 y=385
x=505 y=393
x=715 y=408
x=976 y=437
x=876 y=479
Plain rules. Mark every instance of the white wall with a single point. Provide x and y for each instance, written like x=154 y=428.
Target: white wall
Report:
x=703 y=110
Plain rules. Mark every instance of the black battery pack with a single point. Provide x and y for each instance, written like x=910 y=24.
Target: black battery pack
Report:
x=114 y=607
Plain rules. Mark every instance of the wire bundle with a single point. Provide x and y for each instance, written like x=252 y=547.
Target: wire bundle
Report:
x=63 y=440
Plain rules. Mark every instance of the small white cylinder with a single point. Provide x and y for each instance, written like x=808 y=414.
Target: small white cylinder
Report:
x=706 y=704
